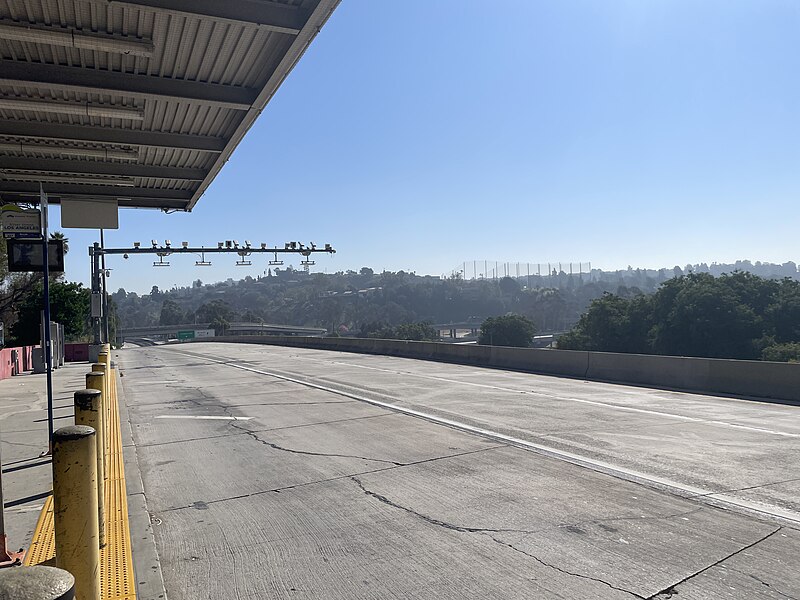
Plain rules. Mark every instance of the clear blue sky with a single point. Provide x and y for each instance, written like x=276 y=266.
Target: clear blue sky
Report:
x=416 y=135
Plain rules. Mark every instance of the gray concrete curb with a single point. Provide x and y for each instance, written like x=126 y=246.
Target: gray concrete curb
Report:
x=146 y=563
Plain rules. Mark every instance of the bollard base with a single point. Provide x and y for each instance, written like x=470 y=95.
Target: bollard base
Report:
x=9 y=558
x=37 y=583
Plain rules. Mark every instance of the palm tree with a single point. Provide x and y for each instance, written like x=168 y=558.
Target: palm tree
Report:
x=58 y=235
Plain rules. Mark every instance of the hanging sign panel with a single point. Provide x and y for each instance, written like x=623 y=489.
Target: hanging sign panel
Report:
x=26 y=256
x=88 y=214
x=19 y=223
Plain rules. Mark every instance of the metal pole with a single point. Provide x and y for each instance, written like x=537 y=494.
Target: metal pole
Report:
x=94 y=251
x=106 y=328
x=48 y=342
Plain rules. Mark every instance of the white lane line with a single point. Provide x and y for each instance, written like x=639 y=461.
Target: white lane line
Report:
x=596 y=465
x=714 y=498
x=204 y=417
x=580 y=401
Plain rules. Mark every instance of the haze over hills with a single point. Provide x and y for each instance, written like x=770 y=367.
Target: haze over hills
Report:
x=351 y=301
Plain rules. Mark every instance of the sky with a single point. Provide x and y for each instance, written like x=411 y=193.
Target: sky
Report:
x=417 y=135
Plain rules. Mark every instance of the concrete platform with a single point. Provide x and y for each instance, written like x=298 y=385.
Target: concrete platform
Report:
x=27 y=475
x=263 y=487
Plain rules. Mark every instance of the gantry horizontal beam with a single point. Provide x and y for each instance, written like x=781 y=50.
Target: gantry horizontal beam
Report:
x=108 y=135
x=67 y=190
x=13 y=163
x=97 y=81
x=282 y=18
x=241 y=250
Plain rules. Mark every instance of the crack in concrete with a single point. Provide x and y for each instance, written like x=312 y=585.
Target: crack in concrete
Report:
x=482 y=530
x=564 y=571
x=426 y=518
x=329 y=479
x=771 y=587
x=744 y=489
x=308 y=452
x=670 y=590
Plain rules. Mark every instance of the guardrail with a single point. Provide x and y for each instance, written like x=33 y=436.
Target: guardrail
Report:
x=755 y=379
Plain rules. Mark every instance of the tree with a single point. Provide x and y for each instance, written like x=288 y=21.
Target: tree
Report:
x=416 y=331
x=171 y=313
x=509 y=286
x=219 y=325
x=58 y=235
x=69 y=305
x=782 y=353
x=214 y=310
x=509 y=330
x=366 y=271
x=612 y=324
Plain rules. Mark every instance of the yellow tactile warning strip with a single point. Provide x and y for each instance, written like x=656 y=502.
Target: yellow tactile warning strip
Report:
x=116 y=562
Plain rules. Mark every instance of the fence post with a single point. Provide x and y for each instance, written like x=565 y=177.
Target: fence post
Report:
x=75 y=507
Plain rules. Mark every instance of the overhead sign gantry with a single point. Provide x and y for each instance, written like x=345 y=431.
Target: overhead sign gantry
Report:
x=142 y=102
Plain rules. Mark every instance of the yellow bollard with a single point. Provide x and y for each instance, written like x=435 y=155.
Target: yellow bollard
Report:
x=101 y=367
x=89 y=412
x=96 y=381
x=75 y=508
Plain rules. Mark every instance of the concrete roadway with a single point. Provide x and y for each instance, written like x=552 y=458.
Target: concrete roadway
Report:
x=282 y=473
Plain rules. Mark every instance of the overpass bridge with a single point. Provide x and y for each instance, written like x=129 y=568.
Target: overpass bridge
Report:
x=193 y=330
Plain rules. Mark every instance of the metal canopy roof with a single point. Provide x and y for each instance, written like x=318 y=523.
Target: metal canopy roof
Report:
x=141 y=101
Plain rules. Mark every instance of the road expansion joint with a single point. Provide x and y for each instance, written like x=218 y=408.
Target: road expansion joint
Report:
x=671 y=590
x=286 y=488
x=482 y=530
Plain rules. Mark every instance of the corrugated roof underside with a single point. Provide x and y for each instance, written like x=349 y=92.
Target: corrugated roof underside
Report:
x=184 y=47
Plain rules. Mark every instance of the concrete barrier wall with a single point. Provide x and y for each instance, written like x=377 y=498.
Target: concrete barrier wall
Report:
x=23 y=361
x=76 y=352
x=759 y=379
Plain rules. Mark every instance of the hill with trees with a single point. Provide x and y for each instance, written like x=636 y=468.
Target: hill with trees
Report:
x=732 y=316
x=632 y=310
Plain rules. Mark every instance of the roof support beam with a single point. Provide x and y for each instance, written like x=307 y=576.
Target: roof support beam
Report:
x=75 y=38
x=122 y=200
x=281 y=18
x=86 y=167
x=96 y=81
x=107 y=135
x=68 y=190
x=36 y=149
x=86 y=109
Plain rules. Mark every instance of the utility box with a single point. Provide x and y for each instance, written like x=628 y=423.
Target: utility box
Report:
x=37 y=358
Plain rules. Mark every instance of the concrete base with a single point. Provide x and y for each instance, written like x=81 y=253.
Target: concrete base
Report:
x=94 y=352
